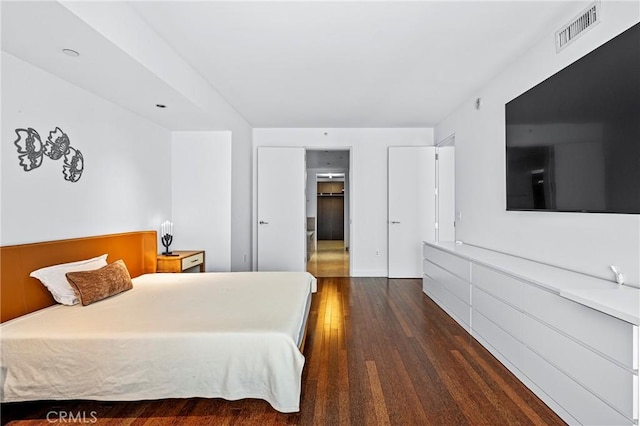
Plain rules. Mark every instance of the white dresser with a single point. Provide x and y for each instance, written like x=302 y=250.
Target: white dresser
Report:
x=571 y=338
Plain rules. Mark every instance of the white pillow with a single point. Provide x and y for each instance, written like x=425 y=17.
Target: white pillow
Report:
x=53 y=277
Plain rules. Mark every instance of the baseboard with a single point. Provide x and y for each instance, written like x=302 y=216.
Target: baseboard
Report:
x=369 y=273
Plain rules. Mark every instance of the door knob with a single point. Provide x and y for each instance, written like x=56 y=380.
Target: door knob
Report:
x=394 y=222
x=262 y=222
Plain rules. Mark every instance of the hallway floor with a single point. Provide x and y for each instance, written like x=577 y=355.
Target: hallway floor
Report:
x=331 y=260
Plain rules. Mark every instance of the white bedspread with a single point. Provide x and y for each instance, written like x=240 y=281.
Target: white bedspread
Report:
x=229 y=335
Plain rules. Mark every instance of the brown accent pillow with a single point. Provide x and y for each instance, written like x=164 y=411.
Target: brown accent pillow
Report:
x=92 y=286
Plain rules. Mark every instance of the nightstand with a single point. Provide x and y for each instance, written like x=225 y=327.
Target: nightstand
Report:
x=183 y=261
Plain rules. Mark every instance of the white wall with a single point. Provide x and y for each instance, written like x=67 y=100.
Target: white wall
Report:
x=119 y=22
x=586 y=243
x=369 y=184
x=127 y=162
x=201 y=195
x=241 y=201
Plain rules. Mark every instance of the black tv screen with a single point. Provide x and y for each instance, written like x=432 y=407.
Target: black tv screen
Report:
x=573 y=141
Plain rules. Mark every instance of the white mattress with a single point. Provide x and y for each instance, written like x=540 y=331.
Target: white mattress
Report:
x=228 y=335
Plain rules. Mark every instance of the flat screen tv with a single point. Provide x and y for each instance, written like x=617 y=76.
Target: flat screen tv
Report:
x=573 y=141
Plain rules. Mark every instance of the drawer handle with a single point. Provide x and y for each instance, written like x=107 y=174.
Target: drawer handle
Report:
x=195 y=260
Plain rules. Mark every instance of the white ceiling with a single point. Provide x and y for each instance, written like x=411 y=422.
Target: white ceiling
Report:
x=38 y=31
x=296 y=64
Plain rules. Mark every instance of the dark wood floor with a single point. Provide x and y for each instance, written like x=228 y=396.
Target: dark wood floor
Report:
x=378 y=352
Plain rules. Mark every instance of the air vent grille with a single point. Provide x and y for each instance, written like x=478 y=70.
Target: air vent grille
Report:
x=587 y=19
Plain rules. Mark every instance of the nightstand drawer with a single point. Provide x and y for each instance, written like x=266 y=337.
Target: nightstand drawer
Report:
x=191 y=261
x=181 y=260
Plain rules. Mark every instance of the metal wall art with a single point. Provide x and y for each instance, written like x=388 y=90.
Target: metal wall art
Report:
x=31 y=151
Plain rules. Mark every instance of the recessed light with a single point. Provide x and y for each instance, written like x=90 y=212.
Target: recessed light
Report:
x=70 y=52
x=161 y=106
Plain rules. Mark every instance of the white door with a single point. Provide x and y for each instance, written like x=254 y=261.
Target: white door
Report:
x=412 y=209
x=281 y=209
x=446 y=193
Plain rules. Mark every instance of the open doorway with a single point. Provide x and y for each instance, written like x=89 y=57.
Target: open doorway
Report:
x=328 y=222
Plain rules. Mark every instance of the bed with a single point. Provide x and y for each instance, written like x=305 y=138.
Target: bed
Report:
x=228 y=335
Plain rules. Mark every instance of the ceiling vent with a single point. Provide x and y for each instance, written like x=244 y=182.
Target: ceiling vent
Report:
x=578 y=26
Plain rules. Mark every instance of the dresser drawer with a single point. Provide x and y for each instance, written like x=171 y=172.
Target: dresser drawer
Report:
x=498 y=284
x=191 y=261
x=578 y=401
x=607 y=380
x=499 y=312
x=453 y=283
x=455 y=307
x=606 y=334
x=454 y=264
x=505 y=344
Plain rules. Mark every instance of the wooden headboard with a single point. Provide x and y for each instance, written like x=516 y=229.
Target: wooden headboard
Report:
x=20 y=294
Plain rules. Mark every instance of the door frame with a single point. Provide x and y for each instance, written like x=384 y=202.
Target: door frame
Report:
x=348 y=185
